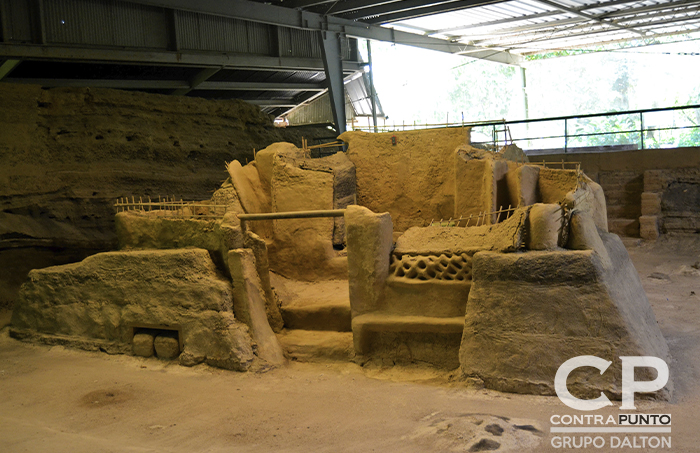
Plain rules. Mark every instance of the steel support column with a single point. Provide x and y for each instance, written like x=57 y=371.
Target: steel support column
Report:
x=372 y=92
x=333 y=64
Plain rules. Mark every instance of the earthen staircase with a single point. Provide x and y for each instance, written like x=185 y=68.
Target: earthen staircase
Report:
x=317 y=321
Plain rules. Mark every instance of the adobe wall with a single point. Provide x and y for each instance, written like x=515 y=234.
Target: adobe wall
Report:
x=67 y=154
x=411 y=177
x=621 y=174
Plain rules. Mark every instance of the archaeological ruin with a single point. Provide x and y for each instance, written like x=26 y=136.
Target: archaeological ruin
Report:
x=343 y=226
x=467 y=259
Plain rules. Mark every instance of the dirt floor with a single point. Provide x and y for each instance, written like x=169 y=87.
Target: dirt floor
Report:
x=59 y=400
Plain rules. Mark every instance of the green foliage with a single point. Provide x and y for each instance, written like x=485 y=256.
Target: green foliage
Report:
x=608 y=130
x=642 y=42
x=482 y=90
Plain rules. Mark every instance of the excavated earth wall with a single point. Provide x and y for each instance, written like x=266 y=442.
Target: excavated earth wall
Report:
x=68 y=153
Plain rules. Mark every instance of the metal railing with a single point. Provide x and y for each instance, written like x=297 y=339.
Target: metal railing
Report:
x=670 y=127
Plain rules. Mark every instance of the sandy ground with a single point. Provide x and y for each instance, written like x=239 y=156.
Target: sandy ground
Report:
x=54 y=399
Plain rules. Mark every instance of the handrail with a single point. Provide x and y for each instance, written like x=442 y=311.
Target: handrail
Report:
x=593 y=115
x=500 y=132
x=638 y=134
x=292 y=215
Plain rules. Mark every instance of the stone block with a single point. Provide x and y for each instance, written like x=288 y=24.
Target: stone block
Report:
x=554 y=184
x=545 y=227
x=302 y=248
x=253 y=195
x=651 y=203
x=142 y=345
x=344 y=190
x=649 y=227
x=259 y=247
x=480 y=184
x=264 y=160
x=624 y=227
x=473 y=195
x=369 y=238
x=583 y=235
x=249 y=305
x=167 y=346
x=522 y=185
x=653 y=181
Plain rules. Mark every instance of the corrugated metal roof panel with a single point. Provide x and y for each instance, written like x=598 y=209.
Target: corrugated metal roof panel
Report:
x=533 y=25
x=20 y=25
x=359 y=96
x=105 y=23
x=198 y=31
x=317 y=111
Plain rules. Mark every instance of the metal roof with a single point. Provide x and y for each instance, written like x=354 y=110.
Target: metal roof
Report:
x=521 y=26
x=528 y=26
x=269 y=53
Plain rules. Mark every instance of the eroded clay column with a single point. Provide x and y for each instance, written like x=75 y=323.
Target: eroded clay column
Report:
x=369 y=239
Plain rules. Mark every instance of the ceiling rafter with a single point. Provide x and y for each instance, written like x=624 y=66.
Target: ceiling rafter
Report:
x=429 y=10
x=557 y=5
x=304 y=20
x=553 y=33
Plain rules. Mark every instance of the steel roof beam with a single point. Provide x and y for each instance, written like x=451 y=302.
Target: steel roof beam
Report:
x=665 y=9
x=168 y=84
x=104 y=83
x=413 y=8
x=196 y=59
x=304 y=20
x=357 y=5
x=559 y=6
x=261 y=86
x=269 y=103
x=306 y=3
